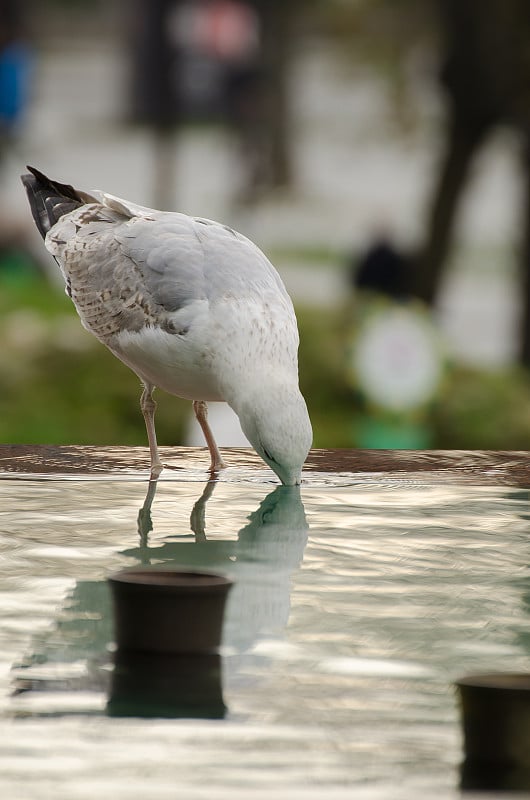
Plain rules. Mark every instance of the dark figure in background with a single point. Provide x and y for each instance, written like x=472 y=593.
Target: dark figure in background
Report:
x=382 y=269
x=486 y=74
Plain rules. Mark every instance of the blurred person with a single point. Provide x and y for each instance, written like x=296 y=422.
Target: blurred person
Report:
x=236 y=54
x=214 y=60
x=17 y=261
x=244 y=89
x=195 y=60
x=382 y=268
x=220 y=40
x=15 y=60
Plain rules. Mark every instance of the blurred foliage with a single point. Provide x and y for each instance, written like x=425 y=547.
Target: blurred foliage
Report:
x=322 y=383
x=380 y=31
x=486 y=409
x=60 y=386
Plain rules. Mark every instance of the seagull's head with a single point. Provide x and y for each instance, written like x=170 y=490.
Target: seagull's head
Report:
x=277 y=425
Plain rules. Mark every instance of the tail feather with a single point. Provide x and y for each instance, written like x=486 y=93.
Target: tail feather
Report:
x=49 y=200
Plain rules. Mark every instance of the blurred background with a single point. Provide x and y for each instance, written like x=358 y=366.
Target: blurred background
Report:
x=376 y=150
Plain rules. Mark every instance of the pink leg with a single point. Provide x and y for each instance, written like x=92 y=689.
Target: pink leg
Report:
x=148 y=406
x=201 y=412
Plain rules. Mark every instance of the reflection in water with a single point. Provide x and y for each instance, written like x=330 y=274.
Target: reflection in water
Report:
x=406 y=584
x=154 y=685
x=198 y=514
x=145 y=523
x=260 y=561
x=484 y=776
x=79 y=636
x=197 y=518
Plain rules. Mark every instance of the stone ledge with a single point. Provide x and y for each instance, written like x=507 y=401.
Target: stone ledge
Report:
x=483 y=467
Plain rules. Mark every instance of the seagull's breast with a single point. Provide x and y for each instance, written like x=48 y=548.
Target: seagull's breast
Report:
x=181 y=362
x=216 y=349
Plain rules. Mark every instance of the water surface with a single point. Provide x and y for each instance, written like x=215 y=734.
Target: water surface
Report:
x=357 y=602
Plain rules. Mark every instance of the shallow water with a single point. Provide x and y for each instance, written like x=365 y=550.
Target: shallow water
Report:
x=357 y=602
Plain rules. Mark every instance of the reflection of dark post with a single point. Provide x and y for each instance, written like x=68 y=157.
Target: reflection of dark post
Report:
x=152 y=685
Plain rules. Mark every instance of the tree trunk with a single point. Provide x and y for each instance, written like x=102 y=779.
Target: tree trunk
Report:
x=525 y=265
x=462 y=144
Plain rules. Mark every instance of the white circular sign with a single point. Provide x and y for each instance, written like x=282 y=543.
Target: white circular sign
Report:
x=397 y=359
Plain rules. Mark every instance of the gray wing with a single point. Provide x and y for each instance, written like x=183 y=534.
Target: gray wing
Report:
x=168 y=257
x=183 y=259
x=127 y=270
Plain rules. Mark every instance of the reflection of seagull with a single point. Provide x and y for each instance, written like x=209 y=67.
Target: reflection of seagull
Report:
x=145 y=523
x=277 y=530
x=267 y=551
x=188 y=304
x=197 y=517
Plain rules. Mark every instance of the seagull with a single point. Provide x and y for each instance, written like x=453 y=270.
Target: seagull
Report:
x=190 y=305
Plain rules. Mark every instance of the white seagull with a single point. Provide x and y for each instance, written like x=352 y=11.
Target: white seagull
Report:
x=190 y=305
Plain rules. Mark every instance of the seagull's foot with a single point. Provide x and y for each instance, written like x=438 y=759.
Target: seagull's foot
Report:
x=216 y=466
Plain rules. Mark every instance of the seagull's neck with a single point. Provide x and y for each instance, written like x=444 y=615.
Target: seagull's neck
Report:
x=274 y=418
x=262 y=389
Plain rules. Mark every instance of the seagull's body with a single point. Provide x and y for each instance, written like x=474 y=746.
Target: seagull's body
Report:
x=190 y=305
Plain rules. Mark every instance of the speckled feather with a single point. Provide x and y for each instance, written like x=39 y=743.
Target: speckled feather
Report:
x=155 y=261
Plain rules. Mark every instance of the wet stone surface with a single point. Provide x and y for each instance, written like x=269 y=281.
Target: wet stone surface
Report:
x=506 y=467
